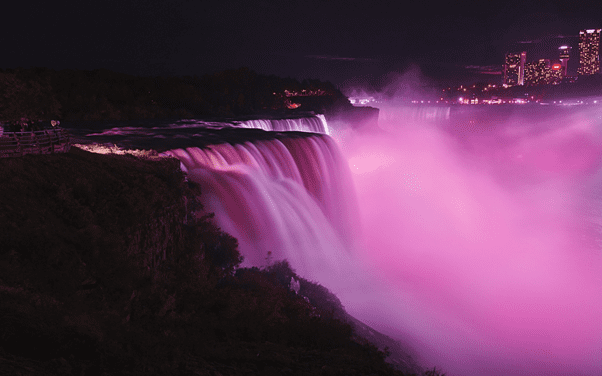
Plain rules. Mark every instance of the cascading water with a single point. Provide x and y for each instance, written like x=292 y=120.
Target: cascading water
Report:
x=481 y=234
x=293 y=198
x=418 y=114
x=313 y=124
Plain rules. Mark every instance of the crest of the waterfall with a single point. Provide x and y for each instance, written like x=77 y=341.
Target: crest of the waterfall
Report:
x=292 y=197
x=313 y=124
x=391 y=116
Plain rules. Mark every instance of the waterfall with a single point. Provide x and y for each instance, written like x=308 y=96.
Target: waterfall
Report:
x=292 y=196
x=417 y=114
x=479 y=236
x=313 y=124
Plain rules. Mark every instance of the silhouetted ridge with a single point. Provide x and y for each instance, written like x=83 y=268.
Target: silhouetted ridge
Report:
x=44 y=94
x=116 y=269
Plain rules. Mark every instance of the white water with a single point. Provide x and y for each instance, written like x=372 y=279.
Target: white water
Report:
x=315 y=124
x=480 y=238
x=289 y=197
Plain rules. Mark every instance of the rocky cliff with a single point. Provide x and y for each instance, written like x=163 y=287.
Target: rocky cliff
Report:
x=108 y=265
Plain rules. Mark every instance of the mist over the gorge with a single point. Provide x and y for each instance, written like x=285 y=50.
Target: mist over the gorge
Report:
x=481 y=231
x=469 y=233
x=287 y=188
x=479 y=234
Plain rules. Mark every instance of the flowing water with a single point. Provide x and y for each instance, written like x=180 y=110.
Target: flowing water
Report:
x=471 y=234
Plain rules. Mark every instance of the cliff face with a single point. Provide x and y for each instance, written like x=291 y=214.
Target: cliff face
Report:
x=85 y=203
x=79 y=234
x=106 y=268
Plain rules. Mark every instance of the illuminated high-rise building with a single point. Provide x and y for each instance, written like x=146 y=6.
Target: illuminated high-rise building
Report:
x=514 y=68
x=542 y=72
x=589 y=52
x=564 y=55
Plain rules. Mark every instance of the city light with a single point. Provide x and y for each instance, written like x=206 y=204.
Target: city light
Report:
x=533 y=76
x=589 y=52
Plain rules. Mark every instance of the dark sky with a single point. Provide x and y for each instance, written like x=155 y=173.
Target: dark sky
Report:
x=342 y=41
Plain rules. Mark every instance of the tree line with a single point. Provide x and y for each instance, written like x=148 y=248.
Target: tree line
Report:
x=79 y=295
x=42 y=94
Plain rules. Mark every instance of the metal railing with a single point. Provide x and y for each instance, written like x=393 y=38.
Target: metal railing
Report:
x=47 y=141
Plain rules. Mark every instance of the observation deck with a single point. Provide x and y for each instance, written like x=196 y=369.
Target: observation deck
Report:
x=46 y=141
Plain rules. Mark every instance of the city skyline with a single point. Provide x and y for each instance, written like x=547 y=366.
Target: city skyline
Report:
x=518 y=71
x=349 y=43
x=589 y=51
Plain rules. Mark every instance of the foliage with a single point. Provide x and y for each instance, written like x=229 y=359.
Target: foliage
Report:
x=42 y=94
x=23 y=99
x=77 y=286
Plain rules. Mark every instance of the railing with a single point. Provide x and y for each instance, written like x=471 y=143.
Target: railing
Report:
x=47 y=141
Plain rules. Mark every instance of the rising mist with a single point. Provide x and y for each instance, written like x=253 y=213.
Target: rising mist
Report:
x=481 y=237
x=478 y=246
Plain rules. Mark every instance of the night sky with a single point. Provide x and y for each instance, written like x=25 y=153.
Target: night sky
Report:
x=346 y=42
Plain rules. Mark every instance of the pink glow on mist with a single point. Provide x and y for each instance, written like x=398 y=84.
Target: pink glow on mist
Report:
x=479 y=246
x=368 y=162
x=478 y=249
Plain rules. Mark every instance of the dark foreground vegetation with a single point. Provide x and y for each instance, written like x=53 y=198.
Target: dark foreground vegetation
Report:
x=109 y=266
x=44 y=94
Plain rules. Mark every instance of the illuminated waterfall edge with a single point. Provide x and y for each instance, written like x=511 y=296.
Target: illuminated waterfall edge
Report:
x=293 y=197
